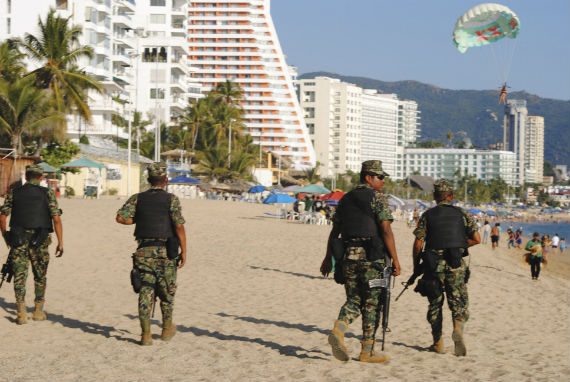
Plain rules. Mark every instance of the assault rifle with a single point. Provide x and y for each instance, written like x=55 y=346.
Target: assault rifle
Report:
x=7 y=271
x=384 y=283
x=411 y=281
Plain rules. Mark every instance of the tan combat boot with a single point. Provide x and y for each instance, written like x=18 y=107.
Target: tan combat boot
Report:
x=336 y=340
x=168 y=330
x=146 y=337
x=39 y=314
x=437 y=346
x=367 y=354
x=21 y=317
x=457 y=336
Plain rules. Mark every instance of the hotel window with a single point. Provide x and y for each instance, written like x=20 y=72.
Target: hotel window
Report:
x=158 y=3
x=158 y=19
x=157 y=93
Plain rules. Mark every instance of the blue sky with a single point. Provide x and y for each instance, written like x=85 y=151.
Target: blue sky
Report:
x=394 y=40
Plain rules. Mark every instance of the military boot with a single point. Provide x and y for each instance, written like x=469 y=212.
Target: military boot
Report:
x=21 y=317
x=437 y=346
x=168 y=330
x=39 y=314
x=146 y=337
x=367 y=354
x=336 y=340
x=457 y=336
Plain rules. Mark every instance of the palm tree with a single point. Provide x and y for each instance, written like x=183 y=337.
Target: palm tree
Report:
x=449 y=137
x=312 y=174
x=24 y=110
x=228 y=93
x=58 y=50
x=212 y=162
x=11 y=62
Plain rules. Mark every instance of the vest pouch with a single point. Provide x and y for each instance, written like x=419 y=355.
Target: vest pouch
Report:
x=429 y=287
x=39 y=237
x=136 y=280
x=172 y=245
x=453 y=257
x=339 y=276
x=431 y=259
x=16 y=237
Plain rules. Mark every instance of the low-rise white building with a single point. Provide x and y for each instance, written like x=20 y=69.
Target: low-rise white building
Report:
x=445 y=163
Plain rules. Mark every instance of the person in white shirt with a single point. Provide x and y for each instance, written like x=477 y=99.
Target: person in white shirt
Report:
x=486 y=231
x=555 y=240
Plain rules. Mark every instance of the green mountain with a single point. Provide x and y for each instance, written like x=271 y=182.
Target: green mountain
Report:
x=475 y=112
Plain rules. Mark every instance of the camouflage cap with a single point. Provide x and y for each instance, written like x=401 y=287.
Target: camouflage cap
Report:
x=157 y=169
x=442 y=185
x=373 y=167
x=34 y=168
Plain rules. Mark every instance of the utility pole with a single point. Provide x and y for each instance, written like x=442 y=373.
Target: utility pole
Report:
x=230 y=144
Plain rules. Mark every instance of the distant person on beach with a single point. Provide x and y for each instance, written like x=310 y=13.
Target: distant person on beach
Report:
x=545 y=243
x=363 y=218
x=415 y=217
x=35 y=214
x=511 y=242
x=486 y=231
x=555 y=240
x=158 y=218
x=534 y=257
x=495 y=236
x=447 y=232
x=518 y=239
x=562 y=245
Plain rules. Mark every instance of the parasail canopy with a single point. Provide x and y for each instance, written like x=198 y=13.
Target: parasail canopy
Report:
x=485 y=24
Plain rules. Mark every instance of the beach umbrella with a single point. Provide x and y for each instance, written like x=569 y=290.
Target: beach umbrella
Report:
x=474 y=211
x=291 y=188
x=279 y=198
x=335 y=195
x=312 y=189
x=421 y=204
x=183 y=179
x=490 y=212
x=47 y=168
x=84 y=162
x=331 y=202
x=256 y=189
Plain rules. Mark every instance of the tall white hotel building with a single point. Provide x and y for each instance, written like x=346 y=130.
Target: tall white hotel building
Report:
x=348 y=125
x=236 y=40
x=138 y=45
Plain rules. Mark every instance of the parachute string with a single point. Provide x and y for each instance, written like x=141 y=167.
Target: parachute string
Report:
x=496 y=65
x=510 y=57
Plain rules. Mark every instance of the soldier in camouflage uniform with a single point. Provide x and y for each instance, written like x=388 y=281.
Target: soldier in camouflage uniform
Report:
x=35 y=214
x=158 y=215
x=363 y=218
x=447 y=231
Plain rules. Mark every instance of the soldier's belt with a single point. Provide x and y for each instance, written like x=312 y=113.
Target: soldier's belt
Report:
x=155 y=243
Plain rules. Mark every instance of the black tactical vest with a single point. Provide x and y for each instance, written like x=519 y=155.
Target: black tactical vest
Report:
x=356 y=216
x=152 y=216
x=30 y=208
x=445 y=228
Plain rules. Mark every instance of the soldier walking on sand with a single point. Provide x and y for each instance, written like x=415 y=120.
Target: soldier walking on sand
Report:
x=35 y=214
x=447 y=232
x=363 y=219
x=158 y=218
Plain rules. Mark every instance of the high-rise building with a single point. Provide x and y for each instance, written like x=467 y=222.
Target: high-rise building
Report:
x=140 y=54
x=535 y=149
x=105 y=24
x=236 y=40
x=332 y=111
x=524 y=135
x=514 y=132
x=348 y=125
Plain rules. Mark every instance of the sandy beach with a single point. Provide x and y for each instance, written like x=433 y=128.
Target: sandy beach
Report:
x=251 y=306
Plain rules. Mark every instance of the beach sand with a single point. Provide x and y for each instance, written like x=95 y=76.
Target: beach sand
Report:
x=251 y=306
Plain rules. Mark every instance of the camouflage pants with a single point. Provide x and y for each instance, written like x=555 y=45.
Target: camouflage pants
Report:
x=452 y=282
x=360 y=299
x=21 y=257
x=158 y=276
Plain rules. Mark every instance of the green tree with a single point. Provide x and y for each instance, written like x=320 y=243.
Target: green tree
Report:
x=449 y=137
x=57 y=154
x=57 y=50
x=11 y=62
x=24 y=110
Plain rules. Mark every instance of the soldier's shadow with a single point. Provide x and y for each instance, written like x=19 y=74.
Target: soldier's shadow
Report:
x=286 y=350
x=313 y=277
x=72 y=323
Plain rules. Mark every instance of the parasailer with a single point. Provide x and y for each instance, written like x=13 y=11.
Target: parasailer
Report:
x=485 y=24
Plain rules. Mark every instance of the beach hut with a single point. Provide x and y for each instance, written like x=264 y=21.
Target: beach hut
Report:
x=93 y=175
